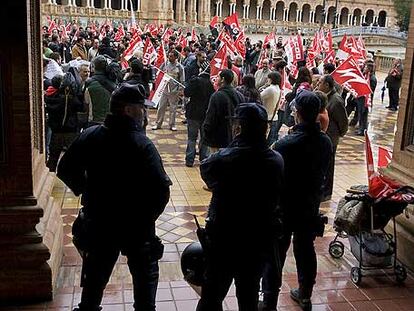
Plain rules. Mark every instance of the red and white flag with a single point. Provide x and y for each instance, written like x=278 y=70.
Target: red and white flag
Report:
x=240 y=44
x=166 y=35
x=149 y=53
x=217 y=64
x=52 y=25
x=134 y=44
x=327 y=42
x=159 y=87
x=226 y=39
x=343 y=49
x=194 y=37
x=182 y=41
x=120 y=33
x=295 y=49
x=384 y=157
x=361 y=46
x=349 y=75
x=161 y=56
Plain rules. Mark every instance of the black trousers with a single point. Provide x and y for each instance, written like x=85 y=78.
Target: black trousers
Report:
x=306 y=265
x=58 y=143
x=394 y=94
x=222 y=267
x=362 y=116
x=97 y=268
x=329 y=180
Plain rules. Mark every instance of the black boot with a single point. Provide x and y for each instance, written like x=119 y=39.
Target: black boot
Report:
x=269 y=303
x=302 y=297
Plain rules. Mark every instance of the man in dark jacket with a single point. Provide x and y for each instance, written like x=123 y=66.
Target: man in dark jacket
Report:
x=246 y=180
x=393 y=81
x=62 y=107
x=124 y=188
x=217 y=126
x=338 y=126
x=199 y=89
x=306 y=153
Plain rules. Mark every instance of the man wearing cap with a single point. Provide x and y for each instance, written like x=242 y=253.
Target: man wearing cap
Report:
x=124 y=188
x=306 y=153
x=246 y=180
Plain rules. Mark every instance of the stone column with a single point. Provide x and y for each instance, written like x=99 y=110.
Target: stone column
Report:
x=361 y=20
x=310 y=16
x=31 y=232
x=298 y=16
x=248 y=11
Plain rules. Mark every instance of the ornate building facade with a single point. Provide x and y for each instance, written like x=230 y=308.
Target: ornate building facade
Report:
x=293 y=13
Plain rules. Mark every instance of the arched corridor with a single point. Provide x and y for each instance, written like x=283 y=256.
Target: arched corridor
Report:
x=331 y=15
x=369 y=17
x=318 y=14
x=382 y=18
x=306 y=9
x=266 y=10
x=343 y=17
x=293 y=8
x=280 y=7
x=253 y=9
x=357 y=17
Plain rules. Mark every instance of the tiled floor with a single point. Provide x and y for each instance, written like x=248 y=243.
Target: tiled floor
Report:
x=334 y=290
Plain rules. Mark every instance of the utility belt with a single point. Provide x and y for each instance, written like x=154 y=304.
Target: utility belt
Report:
x=84 y=232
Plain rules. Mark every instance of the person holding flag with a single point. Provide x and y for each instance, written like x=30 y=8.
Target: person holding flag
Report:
x=172 y=92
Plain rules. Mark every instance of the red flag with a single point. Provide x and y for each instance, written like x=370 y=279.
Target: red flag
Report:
x=330 y=57
x=149 y=51
x=214 y=23
x=129 y=52
x=161 y=56
x=327 y=43
x=240 y=44
x=232 y=24
x=194 y=37
x=384 y=157
x=182 y=41
x=226 y=39
x=343 y=49
x=361 y=46
x=349 y=75
x=120 y=33
x=217 y=64
x=52 y=25
x=166 y=35
x=152 y=29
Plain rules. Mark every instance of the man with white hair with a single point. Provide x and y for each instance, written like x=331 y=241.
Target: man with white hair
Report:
x=261 y=74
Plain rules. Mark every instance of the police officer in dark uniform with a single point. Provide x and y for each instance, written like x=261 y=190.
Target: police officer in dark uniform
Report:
x=306 y=153
x=124 y=188
x=246 y=179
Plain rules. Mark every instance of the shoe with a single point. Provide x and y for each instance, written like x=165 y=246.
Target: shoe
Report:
x=353 y=122
x=269 y=303
x=188 y=164
x=392 y=109
x=304 y=303
x=359 y=133
x=173 y=128
x=388 y=107
x=207 y=188
x=156 y=127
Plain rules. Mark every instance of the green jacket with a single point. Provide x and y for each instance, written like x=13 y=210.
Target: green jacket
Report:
x=100 y=89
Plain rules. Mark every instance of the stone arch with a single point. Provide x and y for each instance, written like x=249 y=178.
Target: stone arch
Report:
x=280 y=7
x=213 y=6
x=266 y=9
x=239 y=8
x=79 y=3
x=293 y=8
x=331 y=15
x=343 y=17
x=116 y=4
x=253 y=7
x=357 y=17
x=305 y=13
x=318 y=14
x=369 y=17
x=225 y=8
x=98 y=4
x=382 y=18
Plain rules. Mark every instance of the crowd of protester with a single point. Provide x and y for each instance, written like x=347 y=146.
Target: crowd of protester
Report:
x=83 y=71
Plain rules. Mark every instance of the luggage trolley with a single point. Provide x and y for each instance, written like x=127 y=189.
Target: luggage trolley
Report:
x=363 y=221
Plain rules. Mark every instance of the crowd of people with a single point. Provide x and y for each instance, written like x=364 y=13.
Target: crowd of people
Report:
x=266 y=188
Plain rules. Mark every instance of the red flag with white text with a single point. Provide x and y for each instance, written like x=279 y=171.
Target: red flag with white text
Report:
x=149 y=53
x=120 y=33
x=240 y=44
x=215 y=26
x=161 y=56
x=349 y=75
x=159 y=87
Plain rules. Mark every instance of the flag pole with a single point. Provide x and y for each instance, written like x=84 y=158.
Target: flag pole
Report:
x=176 y=81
